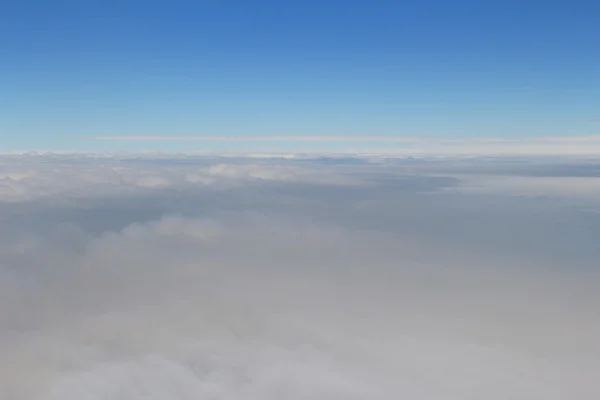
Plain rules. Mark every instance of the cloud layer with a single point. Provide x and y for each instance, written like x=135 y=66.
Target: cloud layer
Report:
x=192 y=277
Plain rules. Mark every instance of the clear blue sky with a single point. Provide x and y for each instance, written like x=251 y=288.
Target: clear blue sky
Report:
x=241 y=68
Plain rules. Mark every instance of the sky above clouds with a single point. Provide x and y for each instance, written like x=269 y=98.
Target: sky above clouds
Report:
x=71 y=70
x=187 y=277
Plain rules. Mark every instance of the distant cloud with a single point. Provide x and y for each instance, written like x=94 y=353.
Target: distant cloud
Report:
x=349 y=138
x=573 y=145
x=261 y=138
x=90 y=175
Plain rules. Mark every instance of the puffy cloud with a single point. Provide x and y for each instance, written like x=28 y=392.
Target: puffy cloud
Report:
x=293 y=279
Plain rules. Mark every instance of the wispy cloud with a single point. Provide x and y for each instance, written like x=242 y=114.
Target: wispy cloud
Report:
x=403 y=145
x=261 y=138
x=349 y=138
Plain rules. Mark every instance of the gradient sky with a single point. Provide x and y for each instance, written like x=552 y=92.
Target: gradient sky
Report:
x=70 y=70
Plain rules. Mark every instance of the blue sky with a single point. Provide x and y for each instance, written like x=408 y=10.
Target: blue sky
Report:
x=70 y=70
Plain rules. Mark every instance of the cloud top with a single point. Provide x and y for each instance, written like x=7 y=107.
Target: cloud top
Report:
x=325 y=278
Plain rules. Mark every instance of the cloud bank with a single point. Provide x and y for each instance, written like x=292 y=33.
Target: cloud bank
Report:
x=188 y=277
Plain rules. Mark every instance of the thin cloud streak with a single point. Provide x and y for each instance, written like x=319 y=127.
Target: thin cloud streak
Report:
x=260 y=138
x=389 y=139
x=402 y=145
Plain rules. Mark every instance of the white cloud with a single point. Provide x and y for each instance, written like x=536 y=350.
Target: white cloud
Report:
x=84 y=175
x=409 y=145
x=400 y=139
x=349 y=138
x=231 y=279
